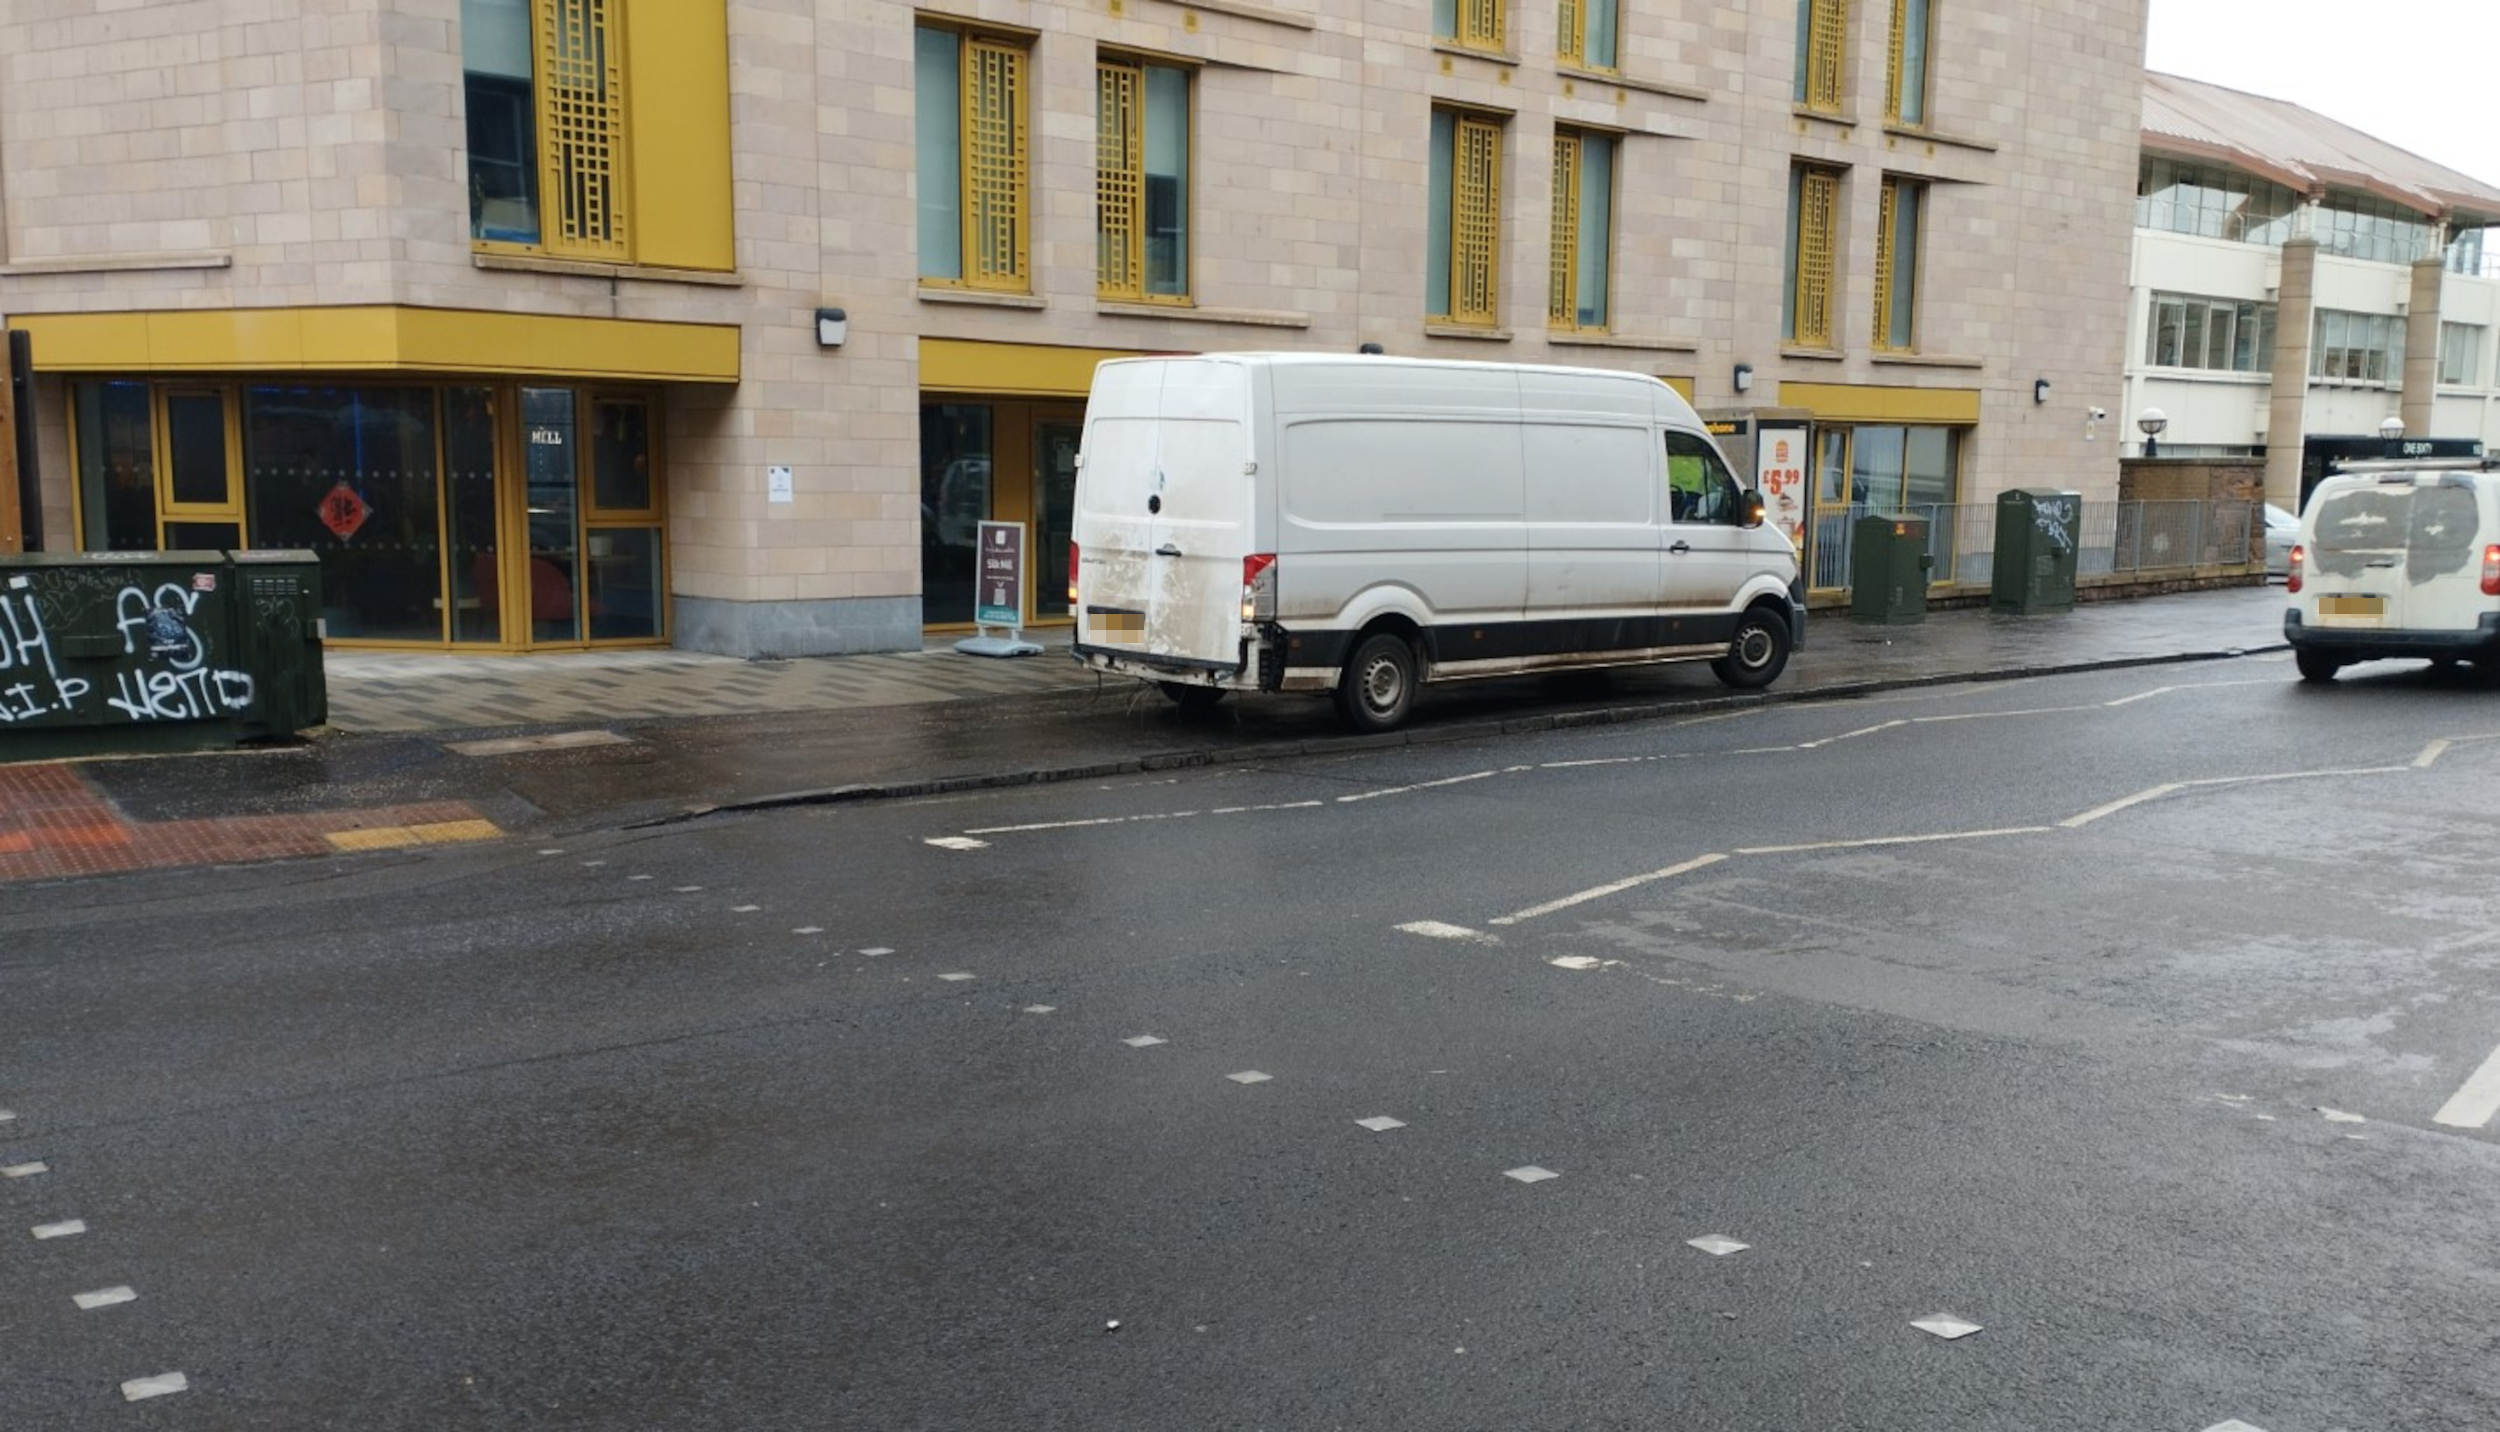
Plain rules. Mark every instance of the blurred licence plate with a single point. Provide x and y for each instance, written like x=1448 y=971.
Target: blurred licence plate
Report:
x=1117 y=628
x=2352 y=606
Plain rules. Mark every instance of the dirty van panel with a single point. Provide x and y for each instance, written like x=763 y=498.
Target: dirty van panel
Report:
x=2359 y=562
x=1165 y=514
x=2440 y=539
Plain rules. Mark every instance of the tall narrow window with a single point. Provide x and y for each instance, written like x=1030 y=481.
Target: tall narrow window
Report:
x=1586 y=33
x=1905 y=78
x=972 y=142
x=1813 y=203
x=1476 y=24
x=581 y=115
x=1583 y=239
x=1822 y=37
x=1896 y=263
x=1465 y=228
x=503 y=121
x=2460 y=352
x=1142 y=180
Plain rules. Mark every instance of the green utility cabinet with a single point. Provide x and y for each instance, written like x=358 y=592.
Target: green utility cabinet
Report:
x=2038 y=536
x=277 y=638
x=156 y=651
x=1888 y=567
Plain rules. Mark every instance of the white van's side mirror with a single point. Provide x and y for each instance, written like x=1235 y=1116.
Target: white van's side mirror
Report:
x=1753 y=509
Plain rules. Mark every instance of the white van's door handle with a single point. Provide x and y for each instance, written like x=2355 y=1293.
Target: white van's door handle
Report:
x=1681 y=545
x=1167 y=550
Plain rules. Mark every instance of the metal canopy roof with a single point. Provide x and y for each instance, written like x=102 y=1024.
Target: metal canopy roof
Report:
x=2304 y=150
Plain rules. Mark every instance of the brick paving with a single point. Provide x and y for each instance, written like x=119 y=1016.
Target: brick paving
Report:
x=54 y=824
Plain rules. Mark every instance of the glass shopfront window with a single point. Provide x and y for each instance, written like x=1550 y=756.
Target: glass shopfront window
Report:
x=446 y=514
x=955 y=457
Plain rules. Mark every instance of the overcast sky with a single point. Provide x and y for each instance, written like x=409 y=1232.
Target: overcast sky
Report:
x=2422 y=75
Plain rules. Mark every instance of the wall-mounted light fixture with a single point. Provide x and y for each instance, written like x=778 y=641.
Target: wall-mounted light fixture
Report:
x=1373 y=349
x=832 y=326
x=1744 y=377
x=2039 y=390
x=2151 y=422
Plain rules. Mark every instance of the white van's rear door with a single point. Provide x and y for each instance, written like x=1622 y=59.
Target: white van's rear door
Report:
x=1164 y=511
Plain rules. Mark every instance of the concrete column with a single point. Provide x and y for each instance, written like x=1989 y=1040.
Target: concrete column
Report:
x=2293 y=302
x=2421 y=374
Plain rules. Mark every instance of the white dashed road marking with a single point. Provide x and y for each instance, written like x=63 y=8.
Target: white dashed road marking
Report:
x=2234 y=1425
x=1142 y=1041
x=1381 y=1123
x=1041 y=1009
x=1889 y=840
x=2472 y=1106
x=1530 y=1173
x=140 y=1389
x=1716 y=1245
x=1946 y=1326
x=1249 y=1076
x=1418 y=786
x=1435 y=930
x=25 y=1170
x=958 y=975
x=1602 y=891
x=102 y=1298
x=957 y=842
x=69 y=1228
x=1576 y=962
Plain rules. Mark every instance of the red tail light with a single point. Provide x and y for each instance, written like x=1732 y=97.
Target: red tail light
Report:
x=2491 y=570
x=2300 y=559
x=1072 y=574
x=1258 y=586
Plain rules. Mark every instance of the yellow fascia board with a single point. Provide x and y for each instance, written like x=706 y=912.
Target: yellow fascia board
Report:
x=383 y=339
x=1035 y=370
x=1864 y=403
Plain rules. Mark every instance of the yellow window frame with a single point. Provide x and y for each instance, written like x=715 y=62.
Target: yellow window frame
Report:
x=995 y=86
x=1475 y=219
x=1896 y=264
x=1483 y=25
x=169 y=510
x=1818 y=203
x=1895 y=55
x=1827 y=41
x=583 y=167
x=1120 y=180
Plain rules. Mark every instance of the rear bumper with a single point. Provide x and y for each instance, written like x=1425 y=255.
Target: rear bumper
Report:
x=2362 y=644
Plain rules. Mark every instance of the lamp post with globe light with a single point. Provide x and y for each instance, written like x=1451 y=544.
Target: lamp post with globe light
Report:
x=2151 y=422
x=2392 y=432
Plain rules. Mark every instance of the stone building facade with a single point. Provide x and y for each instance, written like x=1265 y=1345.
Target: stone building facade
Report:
x=522 y=312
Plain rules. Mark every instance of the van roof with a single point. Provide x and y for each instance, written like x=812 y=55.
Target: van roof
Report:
x=1297 y=359
x=2488 y=463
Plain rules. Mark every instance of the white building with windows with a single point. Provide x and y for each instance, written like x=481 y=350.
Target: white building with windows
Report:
x=2299 y=286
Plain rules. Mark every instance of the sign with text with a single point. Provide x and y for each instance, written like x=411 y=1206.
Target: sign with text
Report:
x=998 y=578
x=1779 y=456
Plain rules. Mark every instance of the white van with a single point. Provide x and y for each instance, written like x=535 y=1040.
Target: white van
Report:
x=2398 y=558
x=1360 y=524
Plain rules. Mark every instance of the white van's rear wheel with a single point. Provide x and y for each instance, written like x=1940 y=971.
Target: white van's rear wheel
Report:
x=1758 y=653
x=1378 y=687
x=2316 y=667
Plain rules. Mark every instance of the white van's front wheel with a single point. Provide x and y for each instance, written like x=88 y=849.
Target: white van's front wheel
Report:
x=1378 y=687
x=1758 y=653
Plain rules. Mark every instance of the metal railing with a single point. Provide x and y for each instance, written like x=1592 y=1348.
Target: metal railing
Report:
x=2117 y=539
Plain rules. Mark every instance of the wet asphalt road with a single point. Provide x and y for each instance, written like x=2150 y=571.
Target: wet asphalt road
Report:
x=1941 y=1002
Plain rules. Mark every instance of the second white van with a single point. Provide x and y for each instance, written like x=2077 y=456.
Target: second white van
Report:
x=1360 y=525
x=2397 y=559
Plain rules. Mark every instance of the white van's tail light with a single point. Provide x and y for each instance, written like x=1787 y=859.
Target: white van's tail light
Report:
x=2491 y=570
x=1258 y=586
x=1072 y=574
x=2300 y=559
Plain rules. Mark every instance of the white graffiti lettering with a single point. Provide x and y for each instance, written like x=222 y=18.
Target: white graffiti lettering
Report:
x=178 y=695
x=26 y=652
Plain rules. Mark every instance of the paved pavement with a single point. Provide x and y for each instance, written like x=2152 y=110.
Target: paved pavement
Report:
x=428 y=749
